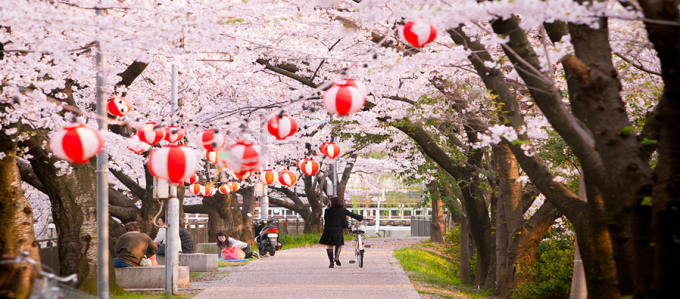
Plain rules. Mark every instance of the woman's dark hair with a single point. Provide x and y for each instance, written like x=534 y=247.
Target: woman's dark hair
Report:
x=337 y=202
x=224 y=244
x=133 y=226
x=163 y=218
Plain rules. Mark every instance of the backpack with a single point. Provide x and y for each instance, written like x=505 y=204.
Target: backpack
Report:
x=233 y=253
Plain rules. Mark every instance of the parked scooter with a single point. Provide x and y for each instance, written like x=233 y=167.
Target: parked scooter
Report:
x=267 y=237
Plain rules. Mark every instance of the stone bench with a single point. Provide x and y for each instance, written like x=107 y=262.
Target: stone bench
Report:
x=208 y=248
x=149 y=277
x=197 y=262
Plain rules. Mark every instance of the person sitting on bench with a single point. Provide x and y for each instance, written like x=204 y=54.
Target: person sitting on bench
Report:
x=133 y=246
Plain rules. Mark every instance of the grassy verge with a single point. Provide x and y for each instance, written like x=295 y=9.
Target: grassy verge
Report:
x=290 y=242
x=433 y=272
x=156 y=295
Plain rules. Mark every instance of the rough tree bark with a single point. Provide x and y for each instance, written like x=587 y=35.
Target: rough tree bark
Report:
x=248 y=207
x=16 y=222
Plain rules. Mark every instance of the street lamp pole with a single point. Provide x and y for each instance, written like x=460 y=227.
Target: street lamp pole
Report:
x=102 y=182
x=172 y=215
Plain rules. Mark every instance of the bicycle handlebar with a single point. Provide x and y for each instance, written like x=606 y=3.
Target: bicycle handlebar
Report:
x=24 y=258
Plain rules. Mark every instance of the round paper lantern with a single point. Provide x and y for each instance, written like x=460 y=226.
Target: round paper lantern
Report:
x=173 y=134
x=344 y=98
x=322 y=148
x=118 y=106
x=332 y=150
x=283 y=127
x=196 y=188
x=173 y=163
x=242 y=175
x=150 y=134
x=212 y=156
x=210 y=140
x=287 y=178
x=268 y=176
x=76 y=143
x=137 y=146
x=224 y=189
x=310 y=167
x=233 y=186
x=244 y=155
x=357 y=84
x=417 y=33
x=208 y=191
x=192 y=179
x=299 y=163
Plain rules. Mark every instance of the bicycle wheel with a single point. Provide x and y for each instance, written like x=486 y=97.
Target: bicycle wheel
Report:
x=360 y=259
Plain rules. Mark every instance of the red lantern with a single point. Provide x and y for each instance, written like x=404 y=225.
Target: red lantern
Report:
x=233 y=186
x=244 y=155
x=118 y=106
x=360 y=86
x=299 y=163
x=322 y=148
x=196 y=188
x=242 y=175
x=212 y=156
x=282 y=127
x=192 y=179
x=76 y=143
x=173 y=163
x=137 y=146
x=344 y=98
x=310 y=167
x=208 y=191
x=224 y=189
x=268 y=176
x=210 y=140
x=173 y=134
x=417 y=33
x=287 y=178
x=332 y=150
x=150 y=134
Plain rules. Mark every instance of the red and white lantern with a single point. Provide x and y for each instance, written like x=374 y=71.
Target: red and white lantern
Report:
x=137 y=146
x=322 y=148
x=332 y=150
x=233 y=186
x=196 y=188
x=212 y=156
x=173 y=163
x=173 y=134
x=242 y=175
x=118 y=106
x=76 y=143
x=299 y=163
x=208 y=191
x=224 y=189
x=344 y=98
x=192 y=179
x=283 y=127
x=287 y=178
x=417 y=33
x=210 y=140
x=310 y=167
x=244 y=155
x=268 y=176
x=150 y=134
x=360 y=86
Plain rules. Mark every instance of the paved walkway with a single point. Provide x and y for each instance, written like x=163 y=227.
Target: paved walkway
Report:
x=304 y=273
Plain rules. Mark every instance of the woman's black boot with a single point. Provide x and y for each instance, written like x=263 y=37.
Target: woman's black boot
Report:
x=330 y=257
x=337 y=255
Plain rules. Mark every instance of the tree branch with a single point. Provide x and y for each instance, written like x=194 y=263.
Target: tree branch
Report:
x=195 y=209
x=637 y=66
x=28 y=176
x=129 y=183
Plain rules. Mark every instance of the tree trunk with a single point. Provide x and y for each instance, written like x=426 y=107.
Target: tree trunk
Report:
x=16 y=224
x=224 y=215
x=578 y=278
x=501 y=246
x=437 y=222
x=465 y=252
x=248 y=207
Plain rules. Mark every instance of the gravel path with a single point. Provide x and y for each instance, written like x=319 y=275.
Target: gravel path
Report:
x=304 y=273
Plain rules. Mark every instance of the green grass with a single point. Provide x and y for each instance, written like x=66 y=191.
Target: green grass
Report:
x=154 y=295
x=434 y=272
x=290 y=242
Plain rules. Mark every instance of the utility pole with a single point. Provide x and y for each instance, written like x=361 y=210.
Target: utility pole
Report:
x=172 y=216
x=102 y=182
x=264 y=199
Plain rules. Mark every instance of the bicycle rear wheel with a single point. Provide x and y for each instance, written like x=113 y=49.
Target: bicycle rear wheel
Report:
x=360 y=258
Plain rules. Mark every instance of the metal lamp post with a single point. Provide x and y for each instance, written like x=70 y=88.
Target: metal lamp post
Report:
x=172 y=216
x=102 y=182
x=377 y=214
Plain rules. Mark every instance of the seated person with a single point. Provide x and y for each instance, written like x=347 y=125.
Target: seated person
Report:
x=160 y=237
x=133 y=246
x=224 y=241
x=185 y=237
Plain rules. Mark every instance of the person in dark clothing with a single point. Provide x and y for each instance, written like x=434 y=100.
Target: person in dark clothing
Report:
x=187 y=240
x=133 y=246
x=334 y=217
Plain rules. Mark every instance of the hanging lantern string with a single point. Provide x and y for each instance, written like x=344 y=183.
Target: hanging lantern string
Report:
x=322 y=87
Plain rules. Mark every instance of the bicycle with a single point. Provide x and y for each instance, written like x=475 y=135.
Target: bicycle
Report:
x=359 y=230
x=50 y=286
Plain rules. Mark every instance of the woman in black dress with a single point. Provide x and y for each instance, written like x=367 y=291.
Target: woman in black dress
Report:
x=335 y=217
